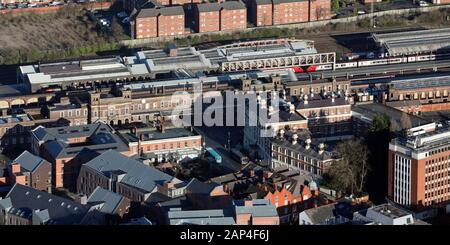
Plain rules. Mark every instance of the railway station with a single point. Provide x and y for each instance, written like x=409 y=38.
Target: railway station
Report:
x=145 y=65
x=413 y=42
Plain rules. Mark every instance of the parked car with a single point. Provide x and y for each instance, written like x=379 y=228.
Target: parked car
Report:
x=22 y=5
x=423 y=4
x=122 y=14
x=126 y=20
x=32 y=5
x=56 y=3
x=361 y=12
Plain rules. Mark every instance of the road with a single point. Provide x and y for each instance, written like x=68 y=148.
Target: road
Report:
x=216 y=138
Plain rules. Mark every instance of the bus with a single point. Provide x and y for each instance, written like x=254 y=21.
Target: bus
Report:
x=238 y=156
x=214 y=154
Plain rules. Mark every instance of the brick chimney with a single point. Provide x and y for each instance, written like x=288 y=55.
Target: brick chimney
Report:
x=15 y=168
x=168 y=185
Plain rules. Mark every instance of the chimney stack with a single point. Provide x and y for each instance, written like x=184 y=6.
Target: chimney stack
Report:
x=294 y=139
x=81 y=198
x=291 y=108
x=281 y=131
x=308 y=143
x=321 y=148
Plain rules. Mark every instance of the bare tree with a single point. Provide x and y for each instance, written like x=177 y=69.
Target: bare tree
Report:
x=405 y=121
x=350 y=172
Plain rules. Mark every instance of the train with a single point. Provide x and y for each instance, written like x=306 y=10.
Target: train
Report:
x=362 y=63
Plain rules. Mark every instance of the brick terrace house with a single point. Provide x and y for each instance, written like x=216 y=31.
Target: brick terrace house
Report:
x=30 y=170
x=158 y=22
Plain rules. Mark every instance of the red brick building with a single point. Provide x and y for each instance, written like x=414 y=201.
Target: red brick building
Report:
x=223 y=16
x=278 y=12
x=261 y=12
x=233 y=16
x=419 y=169
x=290 y=11
x=207 y=17
x=30 y=170
x=168 y=21
x=319 y=10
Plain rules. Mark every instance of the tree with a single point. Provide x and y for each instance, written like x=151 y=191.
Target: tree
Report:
x=349 y=173
x=394 y=126
x=405 y=121
x=380 y=122
x=335 y=5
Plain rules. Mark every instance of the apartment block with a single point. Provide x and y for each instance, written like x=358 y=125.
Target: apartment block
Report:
x=233 y=16
x=158 y=22
x=261 y=12
x=290 y=11
x=319 y=10
x=207 y=17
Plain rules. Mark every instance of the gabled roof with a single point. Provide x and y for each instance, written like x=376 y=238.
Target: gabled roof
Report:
x=321 y=214
x=136 y=174
x=28 y=161
x=23 y=201
x=108 y=200
x=198 y=187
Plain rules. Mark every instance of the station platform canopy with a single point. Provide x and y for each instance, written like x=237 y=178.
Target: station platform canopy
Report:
x=413 y=42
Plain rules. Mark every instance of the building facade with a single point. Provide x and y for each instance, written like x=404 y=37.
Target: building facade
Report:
x=419 y=169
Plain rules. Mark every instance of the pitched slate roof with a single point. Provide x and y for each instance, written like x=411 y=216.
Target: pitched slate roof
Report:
x=330 y=211
x=166 y=11
x=108 y=200
x=28 y=161
x=258 y=2
x=208 y=7
x=232 y=5
x=23 y=201
x=136 y=174
x=198 y=187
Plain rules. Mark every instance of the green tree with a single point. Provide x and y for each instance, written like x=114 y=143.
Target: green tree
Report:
x=380 y=122
x=335 y=5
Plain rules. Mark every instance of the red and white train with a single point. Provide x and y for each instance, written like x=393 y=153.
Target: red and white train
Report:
x=364 y=63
